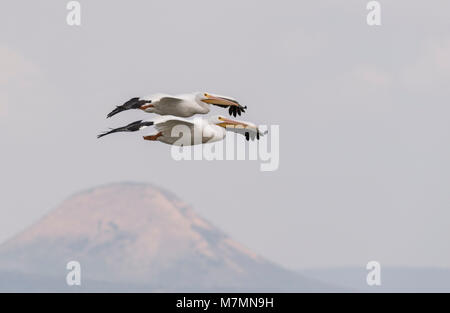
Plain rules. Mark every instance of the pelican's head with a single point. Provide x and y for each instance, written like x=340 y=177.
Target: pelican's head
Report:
x=226 y=102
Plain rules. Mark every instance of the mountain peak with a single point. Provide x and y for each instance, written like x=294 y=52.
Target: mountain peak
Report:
x=133 y=233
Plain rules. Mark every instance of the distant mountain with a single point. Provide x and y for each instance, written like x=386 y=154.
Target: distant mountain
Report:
x=136 y=237
x=393 y=279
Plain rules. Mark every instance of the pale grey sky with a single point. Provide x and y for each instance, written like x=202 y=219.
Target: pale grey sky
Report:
x=363 y=113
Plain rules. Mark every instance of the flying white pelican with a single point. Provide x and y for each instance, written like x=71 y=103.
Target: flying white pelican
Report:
x=210 y=130
x=184 y=105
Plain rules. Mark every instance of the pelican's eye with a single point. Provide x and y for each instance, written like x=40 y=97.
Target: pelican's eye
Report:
x=205 y=94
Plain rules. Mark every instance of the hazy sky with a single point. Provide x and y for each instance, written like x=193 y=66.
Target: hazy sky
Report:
x=363 y=112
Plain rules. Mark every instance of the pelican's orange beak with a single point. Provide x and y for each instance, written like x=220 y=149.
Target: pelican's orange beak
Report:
x=217 y=100
x=225 y=122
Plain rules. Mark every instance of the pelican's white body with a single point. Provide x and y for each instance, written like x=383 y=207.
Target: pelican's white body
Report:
x=184 y=132
x=184 y=105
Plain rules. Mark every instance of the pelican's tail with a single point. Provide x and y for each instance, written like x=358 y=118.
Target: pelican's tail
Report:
x=135 y=126
x=134 y=103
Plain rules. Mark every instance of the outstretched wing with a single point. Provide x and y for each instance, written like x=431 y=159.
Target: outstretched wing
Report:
x=148 y=101
x=167 y=123
x=173 y=105
x=132 y=127
x=170 y=100
x=133 y=103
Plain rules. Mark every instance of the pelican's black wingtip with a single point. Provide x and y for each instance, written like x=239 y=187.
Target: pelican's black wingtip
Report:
x=118 y=109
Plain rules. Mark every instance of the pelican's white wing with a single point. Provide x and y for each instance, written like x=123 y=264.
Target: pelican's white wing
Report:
x=179 y=131
x=155 y=96
x=163 y=99
x=170 y=100
x=173 y=105
x=165 y=124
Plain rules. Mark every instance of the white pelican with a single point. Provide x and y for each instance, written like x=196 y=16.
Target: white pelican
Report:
x=184 y=105
x=211 y=130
